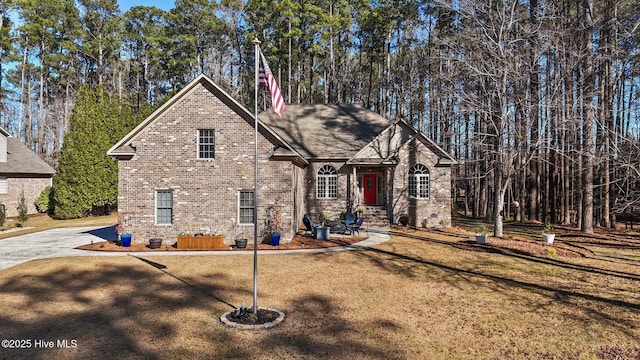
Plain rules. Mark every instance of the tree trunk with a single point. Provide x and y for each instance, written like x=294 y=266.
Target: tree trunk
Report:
x=589 y=116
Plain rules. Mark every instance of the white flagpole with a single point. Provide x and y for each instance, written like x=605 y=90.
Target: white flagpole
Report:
x=256 y=44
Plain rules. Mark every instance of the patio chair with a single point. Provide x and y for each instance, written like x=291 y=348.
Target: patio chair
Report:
x=309 y=225
x=350 y=219
x=355 y=228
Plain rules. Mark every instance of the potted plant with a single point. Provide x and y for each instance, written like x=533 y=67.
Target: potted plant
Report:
x=322 y=218
x=274 y=223
x=481 y=234
x=322 y=232
x=125 y=239
x=122 y=230
x=201 y=240
x=155 y=243
x=547 y=234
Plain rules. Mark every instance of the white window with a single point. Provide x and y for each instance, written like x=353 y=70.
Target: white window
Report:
x=164 y=207
x=419 y=182
x=327 y=182
x=206 y=144
x=4 y=188
x=245 y=207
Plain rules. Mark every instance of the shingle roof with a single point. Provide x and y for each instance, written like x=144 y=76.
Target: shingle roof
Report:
x=326 y=131
x=21 y=160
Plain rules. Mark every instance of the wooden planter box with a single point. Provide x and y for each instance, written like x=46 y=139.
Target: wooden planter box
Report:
x=203 y=242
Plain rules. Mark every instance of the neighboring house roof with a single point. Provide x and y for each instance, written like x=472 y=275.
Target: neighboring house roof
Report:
x=124 y=148
x=21 y=160
x=330 y=131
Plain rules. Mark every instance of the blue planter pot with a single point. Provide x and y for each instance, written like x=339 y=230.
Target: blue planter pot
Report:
x=275 y=239
x=322 y=233
x=126 y=240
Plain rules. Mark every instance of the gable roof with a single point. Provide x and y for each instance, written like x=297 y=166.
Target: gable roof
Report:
x=124 y=148
x=326 y=131
x=21 y=160
x=445 y=159
x=384 y=148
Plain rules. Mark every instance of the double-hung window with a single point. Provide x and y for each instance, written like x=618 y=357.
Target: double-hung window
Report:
x=206 y=143
x=419 y=182
x=245 y=207
x=164 y=207
x=327 y=183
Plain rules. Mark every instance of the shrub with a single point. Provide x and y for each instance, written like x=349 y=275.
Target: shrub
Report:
x=42 y=202
x=274 y=223
x=3 y=216
x=481 y=229
x=22 y=209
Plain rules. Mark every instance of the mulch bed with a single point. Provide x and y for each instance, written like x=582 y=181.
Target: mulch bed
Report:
x=298 y=242
x=262 y=316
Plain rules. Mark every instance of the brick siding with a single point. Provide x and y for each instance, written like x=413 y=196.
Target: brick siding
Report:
x=32 y=188
x=205 y=192
x=432 y=212
x=332 y=207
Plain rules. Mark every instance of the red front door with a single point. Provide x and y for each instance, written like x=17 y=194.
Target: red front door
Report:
x=370 y=191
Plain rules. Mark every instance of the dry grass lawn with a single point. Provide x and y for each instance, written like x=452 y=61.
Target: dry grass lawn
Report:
x=42 y=222
x=419 y=296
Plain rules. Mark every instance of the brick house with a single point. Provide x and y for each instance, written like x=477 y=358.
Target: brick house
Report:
x=189 y=167
x=21 y=170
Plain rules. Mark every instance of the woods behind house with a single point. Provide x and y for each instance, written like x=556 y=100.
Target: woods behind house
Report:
x=537 y=100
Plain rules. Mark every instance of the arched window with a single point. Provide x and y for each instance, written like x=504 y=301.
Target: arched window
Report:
x=419 y=182
x=327 y=182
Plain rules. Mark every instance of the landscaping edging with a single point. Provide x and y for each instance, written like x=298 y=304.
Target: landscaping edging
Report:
x=230 y=323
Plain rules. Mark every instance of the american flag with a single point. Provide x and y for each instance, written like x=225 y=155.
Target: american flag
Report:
x=265 y=78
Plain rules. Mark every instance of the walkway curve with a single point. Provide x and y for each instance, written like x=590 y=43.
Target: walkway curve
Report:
x=63 y=242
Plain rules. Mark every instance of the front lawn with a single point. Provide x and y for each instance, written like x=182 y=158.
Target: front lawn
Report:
x=421 y=295
x=41 y=222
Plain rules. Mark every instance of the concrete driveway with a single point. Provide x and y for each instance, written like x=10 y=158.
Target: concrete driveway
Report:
x=52 y=243
x=62 y=243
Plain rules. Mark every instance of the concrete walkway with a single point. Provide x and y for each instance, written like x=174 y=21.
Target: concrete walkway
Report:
x=62 y=243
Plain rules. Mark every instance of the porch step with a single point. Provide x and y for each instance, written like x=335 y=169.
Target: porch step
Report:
x=375 y=216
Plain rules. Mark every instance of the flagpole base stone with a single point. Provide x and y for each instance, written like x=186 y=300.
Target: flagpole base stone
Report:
x=273 y=316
